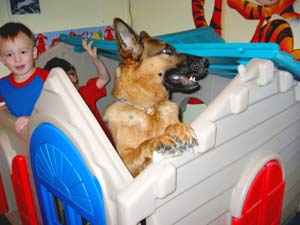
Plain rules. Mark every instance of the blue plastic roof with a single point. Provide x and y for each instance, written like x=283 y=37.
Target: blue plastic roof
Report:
x=223 y=57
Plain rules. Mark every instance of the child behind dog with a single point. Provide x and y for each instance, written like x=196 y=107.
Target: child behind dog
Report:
x=19 y=90
x=95 y=87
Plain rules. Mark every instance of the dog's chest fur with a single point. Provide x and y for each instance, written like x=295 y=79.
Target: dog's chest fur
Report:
x=127 y=118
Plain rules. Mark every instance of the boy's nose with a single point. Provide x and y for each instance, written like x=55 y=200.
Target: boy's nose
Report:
x=17 y=58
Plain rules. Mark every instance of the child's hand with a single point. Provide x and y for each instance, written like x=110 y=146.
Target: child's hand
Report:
x=21 y=123
x=88 y=47
x=103 y=76
x=3 y=107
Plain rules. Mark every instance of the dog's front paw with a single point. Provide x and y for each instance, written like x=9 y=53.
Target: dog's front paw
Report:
x=184 y=136
x=166 y=148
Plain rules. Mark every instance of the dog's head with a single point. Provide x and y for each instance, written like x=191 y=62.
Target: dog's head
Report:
x=149 y=63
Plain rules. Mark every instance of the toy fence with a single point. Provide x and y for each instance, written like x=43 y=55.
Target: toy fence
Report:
x=63 y=169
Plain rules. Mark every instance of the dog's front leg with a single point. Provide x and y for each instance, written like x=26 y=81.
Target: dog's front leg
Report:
x=139 y=158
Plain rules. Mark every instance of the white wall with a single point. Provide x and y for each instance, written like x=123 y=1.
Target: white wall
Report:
x=162 y=16
x=154 y=16
x=67 y=14
x=167 y=16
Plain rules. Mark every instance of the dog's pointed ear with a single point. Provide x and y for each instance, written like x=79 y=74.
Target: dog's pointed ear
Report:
x=128 y=43
x=143 y=35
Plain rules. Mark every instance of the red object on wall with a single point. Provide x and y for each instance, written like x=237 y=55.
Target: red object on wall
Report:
x=109 y=33
x=22 y=191
x=40 y=42
x=3 y=201
x=263 y=203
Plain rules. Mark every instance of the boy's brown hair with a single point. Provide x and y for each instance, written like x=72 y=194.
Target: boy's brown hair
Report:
x=59 y=62
x=11 y=29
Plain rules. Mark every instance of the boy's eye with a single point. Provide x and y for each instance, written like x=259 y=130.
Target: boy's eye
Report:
x=23 y=51
x=8 y=55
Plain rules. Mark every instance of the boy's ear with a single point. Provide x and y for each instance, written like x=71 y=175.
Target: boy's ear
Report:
x=35 y=52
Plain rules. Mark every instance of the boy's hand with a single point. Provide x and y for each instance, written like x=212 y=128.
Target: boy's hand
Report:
x=3 y=107
x=88 y=47
x=21 y=123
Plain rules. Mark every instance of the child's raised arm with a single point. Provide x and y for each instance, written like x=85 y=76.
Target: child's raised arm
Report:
x=103 y=75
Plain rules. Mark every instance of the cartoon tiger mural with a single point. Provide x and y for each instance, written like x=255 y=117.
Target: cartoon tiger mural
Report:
x=199 y=17
x=276 y=19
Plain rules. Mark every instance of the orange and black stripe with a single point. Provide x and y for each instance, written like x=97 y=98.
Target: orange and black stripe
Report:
x=199 y=17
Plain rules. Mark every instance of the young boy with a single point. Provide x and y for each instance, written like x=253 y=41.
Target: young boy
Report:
x=22 y=87
x=95 y=87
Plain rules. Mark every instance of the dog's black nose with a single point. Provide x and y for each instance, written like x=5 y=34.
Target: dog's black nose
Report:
x=197 y=65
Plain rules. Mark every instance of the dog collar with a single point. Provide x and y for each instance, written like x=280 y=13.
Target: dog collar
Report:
x=150 y=110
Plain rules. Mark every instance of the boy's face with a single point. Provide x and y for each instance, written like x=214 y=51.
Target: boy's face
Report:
x=74 y=79
x=18 y=55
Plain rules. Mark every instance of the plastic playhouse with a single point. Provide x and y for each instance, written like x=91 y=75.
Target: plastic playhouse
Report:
x=64 y=170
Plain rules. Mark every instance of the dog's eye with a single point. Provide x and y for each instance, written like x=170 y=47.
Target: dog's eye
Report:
x=168 y=50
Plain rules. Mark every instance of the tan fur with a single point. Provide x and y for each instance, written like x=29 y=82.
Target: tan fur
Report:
x=137 y=134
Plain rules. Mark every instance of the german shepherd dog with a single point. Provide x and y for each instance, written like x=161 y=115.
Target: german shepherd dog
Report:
x=143 y=121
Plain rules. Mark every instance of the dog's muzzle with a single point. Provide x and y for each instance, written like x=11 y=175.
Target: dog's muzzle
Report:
x=185 y=77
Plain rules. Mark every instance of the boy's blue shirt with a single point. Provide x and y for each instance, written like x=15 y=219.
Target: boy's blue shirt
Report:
x=20 y=98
